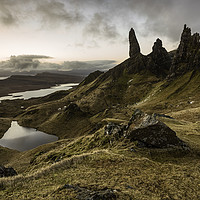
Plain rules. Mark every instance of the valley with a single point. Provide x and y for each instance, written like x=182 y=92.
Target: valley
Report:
x=132 y=132
x=21 y=83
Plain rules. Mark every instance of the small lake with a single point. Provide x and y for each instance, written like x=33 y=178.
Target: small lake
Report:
x=22 y=139
x=3 y=77
x=38 y=93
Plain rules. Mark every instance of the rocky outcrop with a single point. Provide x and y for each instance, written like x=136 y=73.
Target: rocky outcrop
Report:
x=187 y=56
x=159 y=61
x=134 y=45
x=5 y=172
x=147 y=130
x=153 y=133
x=72 y=110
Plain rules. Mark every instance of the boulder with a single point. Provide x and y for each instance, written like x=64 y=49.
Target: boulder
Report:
x=5 y=172
x=147 y=130
x=152 y=132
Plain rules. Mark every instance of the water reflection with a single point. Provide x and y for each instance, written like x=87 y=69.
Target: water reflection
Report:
x=22 y=139
x=3 y=77
x=38 y=93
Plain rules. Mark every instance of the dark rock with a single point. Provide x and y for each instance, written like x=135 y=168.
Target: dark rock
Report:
x=163 y=115
x=187 y=56
x=5 y=172
x=72 y=111
x=114 y=129
x=106 y=194
x=134 y=45
x=152 y=132
x=155 y=135
x=137 y=113
x=88 y=194
x=147 y=130
x=72 y=107
x=159 y=61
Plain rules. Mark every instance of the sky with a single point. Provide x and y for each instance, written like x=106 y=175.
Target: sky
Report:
x=71 y=32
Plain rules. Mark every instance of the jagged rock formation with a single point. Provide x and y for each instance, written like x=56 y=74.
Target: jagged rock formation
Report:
x=159 y=60
x=187 y=56
x=147 y=130
x=5 y=172
x=134 y=45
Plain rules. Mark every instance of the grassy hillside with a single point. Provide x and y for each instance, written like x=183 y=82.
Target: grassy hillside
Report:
x=85 y=162
x=97 y=162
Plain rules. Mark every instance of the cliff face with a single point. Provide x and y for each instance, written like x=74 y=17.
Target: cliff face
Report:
x=187 y=56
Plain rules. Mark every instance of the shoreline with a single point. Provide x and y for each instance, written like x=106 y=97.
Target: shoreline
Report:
x=20 y=83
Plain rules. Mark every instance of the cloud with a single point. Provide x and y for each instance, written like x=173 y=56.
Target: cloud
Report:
x=104 y=20
x=7 y=14
x=55 y=12
x=22 y=62
x=100 y=26
x=164 y=18
x=30 y=57
x=89 y=65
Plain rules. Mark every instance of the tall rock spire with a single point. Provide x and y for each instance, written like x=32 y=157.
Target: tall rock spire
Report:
x=134 y=45
x=184 y=43
x=187 y=56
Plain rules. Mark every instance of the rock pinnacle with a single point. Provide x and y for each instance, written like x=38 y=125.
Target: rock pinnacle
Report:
x=134 y=45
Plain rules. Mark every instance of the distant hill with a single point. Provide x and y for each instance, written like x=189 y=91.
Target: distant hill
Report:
x=20 y=83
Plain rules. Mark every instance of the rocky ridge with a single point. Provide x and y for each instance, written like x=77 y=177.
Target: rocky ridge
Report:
x=163 y=63
x=187 y=56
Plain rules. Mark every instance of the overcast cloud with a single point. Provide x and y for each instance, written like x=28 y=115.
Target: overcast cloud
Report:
x=104 y=18
x=90 y=27
x=33 y=63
